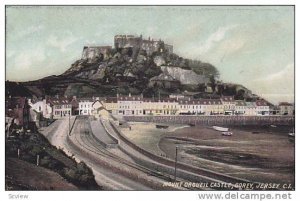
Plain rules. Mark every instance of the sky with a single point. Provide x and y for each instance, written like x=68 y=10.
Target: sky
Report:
x=249 y=45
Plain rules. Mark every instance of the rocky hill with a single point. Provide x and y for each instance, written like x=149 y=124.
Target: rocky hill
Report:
x=106 y=71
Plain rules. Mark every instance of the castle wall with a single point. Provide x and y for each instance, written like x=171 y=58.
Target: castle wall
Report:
x=122 y=41
x=150 y=46
x=169 y=48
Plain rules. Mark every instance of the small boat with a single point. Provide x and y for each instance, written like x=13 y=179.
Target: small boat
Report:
x=292 y=133
x=222 y=129
x=274 y=126
x=227 y=133
x=161 y=126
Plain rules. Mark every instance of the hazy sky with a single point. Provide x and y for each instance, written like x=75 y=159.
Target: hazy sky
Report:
x=253 y=46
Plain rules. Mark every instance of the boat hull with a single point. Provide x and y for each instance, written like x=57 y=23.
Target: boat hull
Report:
x=221 y=129
x=162 y=126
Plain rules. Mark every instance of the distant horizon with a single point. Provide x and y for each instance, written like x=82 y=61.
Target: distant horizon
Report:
x=249 y=45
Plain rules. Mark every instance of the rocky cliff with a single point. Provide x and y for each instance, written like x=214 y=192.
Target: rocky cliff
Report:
x=186 y=77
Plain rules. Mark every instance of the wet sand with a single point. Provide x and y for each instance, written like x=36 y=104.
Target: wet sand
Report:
x=147 y=136
x=266 y=156
x=261 y=154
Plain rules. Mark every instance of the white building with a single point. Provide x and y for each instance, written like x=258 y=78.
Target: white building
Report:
x=130 y=105
x=85 y=106
x=61 y=107
x=41 y=107
x=286 y=108
x=97 y=106
x=250 y=109
x=240 y=107
x=262 y=108
x=190 y=107
x=212 y=106
x=229 y=104
x=163 y=106
x=111 y=105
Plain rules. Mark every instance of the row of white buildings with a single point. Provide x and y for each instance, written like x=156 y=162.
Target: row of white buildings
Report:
x=139 y=106
x=136 y=105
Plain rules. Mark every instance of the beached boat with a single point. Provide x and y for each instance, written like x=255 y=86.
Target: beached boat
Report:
x=221 y=129
x=227 y=133
x=161 y=126
x=292 y=133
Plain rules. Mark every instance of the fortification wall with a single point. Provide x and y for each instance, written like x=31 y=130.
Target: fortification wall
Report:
x=149 y=45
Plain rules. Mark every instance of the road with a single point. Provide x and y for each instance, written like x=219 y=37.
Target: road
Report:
x=122 y=167
x=57 y=134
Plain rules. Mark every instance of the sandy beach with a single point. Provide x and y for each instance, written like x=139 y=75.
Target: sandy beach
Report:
x=262 y=154
x=147 y=136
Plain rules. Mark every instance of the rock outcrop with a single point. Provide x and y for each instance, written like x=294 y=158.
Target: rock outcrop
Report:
x=185 y=76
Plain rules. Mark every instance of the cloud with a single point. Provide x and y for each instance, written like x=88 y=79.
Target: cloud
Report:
x=214 y=38
x=232 y=45
x=286 y=73
x=61 y=44
x=277 y=86
x=26 y=59
x=30 y=30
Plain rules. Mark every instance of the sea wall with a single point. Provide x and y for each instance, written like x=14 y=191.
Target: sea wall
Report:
x=217 y=120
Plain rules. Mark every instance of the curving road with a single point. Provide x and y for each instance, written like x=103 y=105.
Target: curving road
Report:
x=120 y=168
x=83 y=148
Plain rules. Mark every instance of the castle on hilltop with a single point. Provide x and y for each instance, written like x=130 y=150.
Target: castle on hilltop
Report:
x=126 y=41
x=135 y=42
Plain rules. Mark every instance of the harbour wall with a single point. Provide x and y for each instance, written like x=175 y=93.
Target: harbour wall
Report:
x=216 y=120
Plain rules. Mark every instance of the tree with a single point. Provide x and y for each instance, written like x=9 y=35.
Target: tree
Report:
x=213 y=82
x=201 y=68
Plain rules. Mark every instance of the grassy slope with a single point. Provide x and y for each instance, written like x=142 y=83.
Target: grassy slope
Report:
x=34 y=144
x=21 y=175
